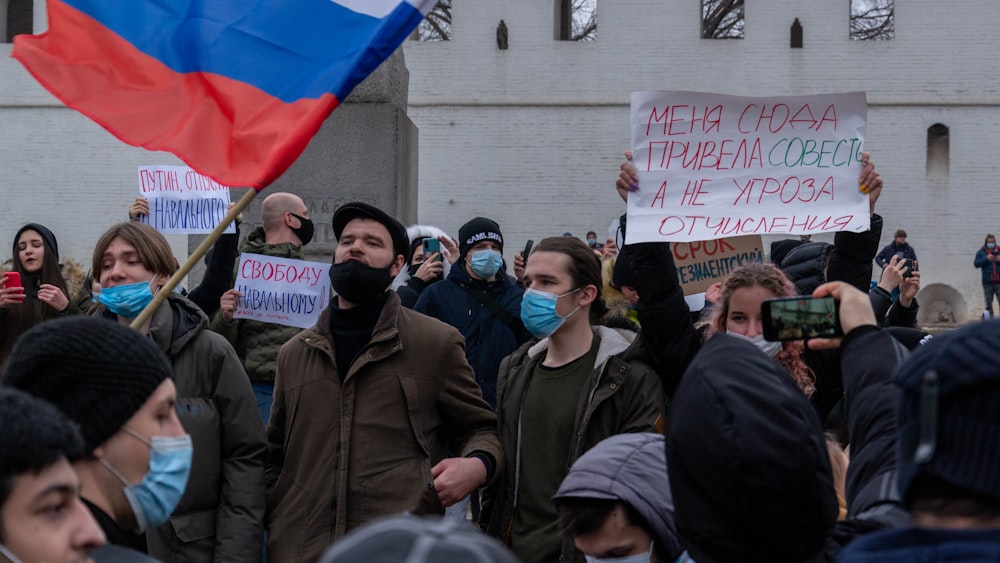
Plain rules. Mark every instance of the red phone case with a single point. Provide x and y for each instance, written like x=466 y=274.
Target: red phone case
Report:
x=12 y=279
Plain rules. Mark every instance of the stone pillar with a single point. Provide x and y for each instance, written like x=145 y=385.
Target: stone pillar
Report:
x=365 y=151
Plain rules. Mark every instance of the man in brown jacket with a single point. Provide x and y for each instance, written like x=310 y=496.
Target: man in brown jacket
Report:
x=368 y=402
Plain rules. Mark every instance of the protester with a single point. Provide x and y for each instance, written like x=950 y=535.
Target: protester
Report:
x=480 y=300
x=43 y=293
x=220 y=516
x=898 y=247
x=424 y=269
x=41 y=515
x=615 y=502
x=361 y=429
x=749 y=466
x=285 y=229
x=593 y=244
x=116 y=385
x=415 y=539
x=219 y=262
x=898 y=278
x=561 y=394
x=948 y=430
x=988 y=260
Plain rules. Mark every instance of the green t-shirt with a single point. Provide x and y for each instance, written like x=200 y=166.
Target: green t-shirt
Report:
x=547 y=418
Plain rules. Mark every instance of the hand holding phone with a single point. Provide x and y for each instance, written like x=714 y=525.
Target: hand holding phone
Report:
x=432 y=245
x=527 y=249
x=13 y=291
x=854 y=310
x=800 y=318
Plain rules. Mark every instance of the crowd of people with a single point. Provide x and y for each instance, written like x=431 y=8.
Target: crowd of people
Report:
x=448 y=406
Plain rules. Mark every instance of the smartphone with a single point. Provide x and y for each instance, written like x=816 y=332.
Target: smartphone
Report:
x=799 y=318
x=432 y=245
x=911 y=266
x=527 y=249
x=12 y=279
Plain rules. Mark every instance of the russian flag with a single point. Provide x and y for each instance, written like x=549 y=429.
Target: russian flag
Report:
x=235 y=88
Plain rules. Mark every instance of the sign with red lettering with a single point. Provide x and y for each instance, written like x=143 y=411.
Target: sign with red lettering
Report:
x=713 y=166
x=702 y=263
x=182 y=200
x=281 y=290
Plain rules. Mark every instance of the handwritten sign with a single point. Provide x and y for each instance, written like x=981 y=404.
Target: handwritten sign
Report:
x=281 y=290
x=182 y=200
x=702 y=263
x=713 y=166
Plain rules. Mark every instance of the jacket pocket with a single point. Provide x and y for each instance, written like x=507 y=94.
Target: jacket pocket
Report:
x=289 y=507
x=193 y=527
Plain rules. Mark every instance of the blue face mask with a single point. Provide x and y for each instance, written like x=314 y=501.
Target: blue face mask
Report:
x=486 y=263
x=127 y=300
x=154 y=499
x=538 y=312
x=991 y=245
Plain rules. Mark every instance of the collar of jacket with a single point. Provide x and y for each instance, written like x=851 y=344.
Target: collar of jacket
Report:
x=175 y=323
x=254 y=243
x=385 y=339
x=613 y=341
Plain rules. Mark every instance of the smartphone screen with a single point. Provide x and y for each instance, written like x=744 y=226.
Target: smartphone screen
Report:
x=431 y=245
x=12 y=279
x=800 y=318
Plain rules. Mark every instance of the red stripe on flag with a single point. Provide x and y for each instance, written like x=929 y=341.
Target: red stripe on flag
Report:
x=235 y=133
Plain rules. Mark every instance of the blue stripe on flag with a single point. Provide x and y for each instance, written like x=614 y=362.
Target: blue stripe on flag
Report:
x=291 y=49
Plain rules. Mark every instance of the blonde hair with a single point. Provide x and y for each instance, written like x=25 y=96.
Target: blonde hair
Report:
x=838 y=463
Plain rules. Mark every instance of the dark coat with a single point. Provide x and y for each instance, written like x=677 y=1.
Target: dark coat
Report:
x=989 y=269
x=925 y=545
x=894 y=249
x=349 y=448
x=488 y=338
x=221 y=515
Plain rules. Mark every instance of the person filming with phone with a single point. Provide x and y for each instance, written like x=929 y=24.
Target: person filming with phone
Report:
x=35 y=289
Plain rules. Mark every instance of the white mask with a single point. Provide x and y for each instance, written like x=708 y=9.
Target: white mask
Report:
x=639 y=558
x=766 y=346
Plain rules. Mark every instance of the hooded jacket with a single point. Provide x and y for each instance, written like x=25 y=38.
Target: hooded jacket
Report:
x=410 y=287
x=488 y=338
x=630 y=468
x=749 y=468
x=221 y=515
x=621 y=395
x=256 y=342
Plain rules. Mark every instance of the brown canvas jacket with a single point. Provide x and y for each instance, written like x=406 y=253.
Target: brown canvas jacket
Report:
x=347 y=450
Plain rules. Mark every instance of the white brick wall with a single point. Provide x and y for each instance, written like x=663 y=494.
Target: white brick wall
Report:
x=533 y=136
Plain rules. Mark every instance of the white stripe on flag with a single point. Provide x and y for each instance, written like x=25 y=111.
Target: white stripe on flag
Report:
x=382 y=8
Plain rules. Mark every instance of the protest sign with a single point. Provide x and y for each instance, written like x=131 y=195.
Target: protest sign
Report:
x=281 y=290
x=713 y=166
x=702 y=263
x=182 y=200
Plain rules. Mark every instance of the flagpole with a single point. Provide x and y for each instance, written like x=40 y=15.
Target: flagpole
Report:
x=193 y=259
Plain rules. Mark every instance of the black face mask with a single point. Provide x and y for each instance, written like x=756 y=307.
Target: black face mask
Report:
x=305 y=229
x=359 y=283
x=414 y=268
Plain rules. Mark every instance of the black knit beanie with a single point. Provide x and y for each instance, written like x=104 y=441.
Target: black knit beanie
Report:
x=47 y=236
x=98 y=372
x=476 y=230
x=948 y=420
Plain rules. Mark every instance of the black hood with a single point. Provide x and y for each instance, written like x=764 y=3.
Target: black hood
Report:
x=749 y=468
x=805 y=265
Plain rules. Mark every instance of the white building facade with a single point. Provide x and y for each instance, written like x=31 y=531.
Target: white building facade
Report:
x=532 y=136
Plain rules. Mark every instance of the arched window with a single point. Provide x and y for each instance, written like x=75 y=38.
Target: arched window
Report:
x=937 y=151
x=873 y=19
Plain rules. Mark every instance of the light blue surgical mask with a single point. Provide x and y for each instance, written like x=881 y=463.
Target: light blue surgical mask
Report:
x=127 y=300
x=10 y=556
x=486 y=263
x=766 y=346
x=638 y=558
x=154 y=499
x=538 y=312
x=991 y=245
